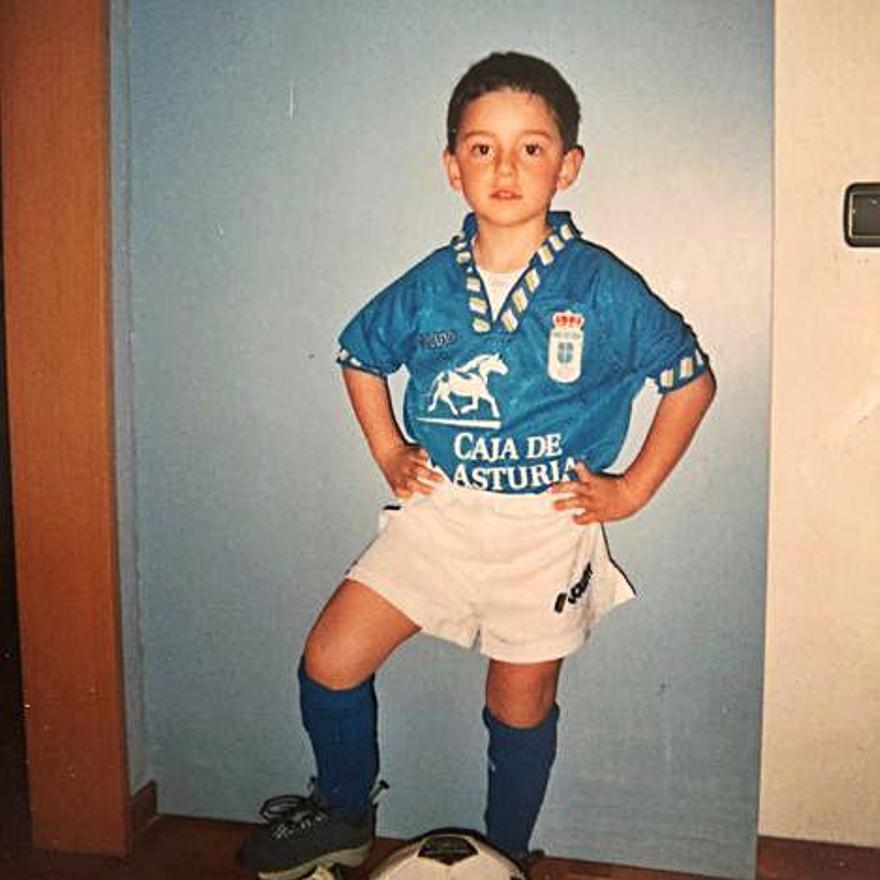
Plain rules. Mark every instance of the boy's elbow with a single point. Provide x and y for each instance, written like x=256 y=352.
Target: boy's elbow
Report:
x=707 y=387
x=698 y=393
x=711 y=386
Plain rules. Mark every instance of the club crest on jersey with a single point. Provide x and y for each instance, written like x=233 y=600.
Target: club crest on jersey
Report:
x=566 y=348
x=457 y=393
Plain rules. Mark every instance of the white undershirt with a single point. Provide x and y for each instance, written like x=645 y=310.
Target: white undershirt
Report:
x=498 y=285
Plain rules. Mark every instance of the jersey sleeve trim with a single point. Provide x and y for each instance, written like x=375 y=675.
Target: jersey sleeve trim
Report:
x=346 y=359
x=681 y=372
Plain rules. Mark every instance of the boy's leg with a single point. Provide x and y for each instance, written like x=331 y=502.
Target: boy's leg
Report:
x=353 y=635
x=521 y=715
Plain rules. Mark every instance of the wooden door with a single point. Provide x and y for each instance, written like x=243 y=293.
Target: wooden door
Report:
x=55 y=153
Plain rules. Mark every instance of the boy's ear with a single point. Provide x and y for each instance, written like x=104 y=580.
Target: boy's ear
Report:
x=453 y=172
x=571 y=166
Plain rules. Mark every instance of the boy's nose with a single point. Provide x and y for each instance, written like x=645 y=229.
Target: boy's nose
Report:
x=504 y=164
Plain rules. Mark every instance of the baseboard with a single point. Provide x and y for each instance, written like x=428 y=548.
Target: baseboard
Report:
x=142 y=808
x=781 y=858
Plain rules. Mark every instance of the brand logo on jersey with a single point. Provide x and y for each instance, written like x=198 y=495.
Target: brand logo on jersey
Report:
x=566 y=347
x=438 y=339
x=464 y=390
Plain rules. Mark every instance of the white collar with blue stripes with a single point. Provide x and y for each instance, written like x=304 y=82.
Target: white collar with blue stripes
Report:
x=563 y=230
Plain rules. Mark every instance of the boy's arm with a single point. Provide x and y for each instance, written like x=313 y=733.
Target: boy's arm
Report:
x=404 y=465
x=606 y=497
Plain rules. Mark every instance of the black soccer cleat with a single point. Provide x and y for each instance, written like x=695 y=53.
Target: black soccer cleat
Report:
x=304 y=833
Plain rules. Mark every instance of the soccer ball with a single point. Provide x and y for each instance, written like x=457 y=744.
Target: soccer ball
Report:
x=448 y=856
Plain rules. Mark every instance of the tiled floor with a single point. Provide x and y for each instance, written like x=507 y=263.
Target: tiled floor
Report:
x=198 y=849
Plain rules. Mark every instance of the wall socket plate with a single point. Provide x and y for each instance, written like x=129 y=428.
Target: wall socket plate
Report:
x=861 y=215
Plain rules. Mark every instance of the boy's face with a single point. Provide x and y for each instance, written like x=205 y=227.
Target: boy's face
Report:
x=509 y=159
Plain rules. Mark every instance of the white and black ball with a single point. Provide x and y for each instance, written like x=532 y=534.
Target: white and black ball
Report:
x=448 y=856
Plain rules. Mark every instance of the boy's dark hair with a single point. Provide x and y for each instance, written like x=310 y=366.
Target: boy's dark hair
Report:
x=520 y=73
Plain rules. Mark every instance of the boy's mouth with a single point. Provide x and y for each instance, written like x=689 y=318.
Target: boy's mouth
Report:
x=505 y=194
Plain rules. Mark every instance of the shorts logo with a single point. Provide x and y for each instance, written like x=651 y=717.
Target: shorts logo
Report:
x=566 y=348
x=575 y=591
x=468 y=383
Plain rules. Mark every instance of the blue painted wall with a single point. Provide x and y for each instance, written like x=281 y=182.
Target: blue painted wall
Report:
x=284 y=164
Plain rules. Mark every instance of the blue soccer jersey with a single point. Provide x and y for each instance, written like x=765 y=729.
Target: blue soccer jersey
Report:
x=508 y=405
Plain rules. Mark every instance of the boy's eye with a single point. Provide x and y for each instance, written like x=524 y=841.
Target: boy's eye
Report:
x=481 y=150
x=533 y=149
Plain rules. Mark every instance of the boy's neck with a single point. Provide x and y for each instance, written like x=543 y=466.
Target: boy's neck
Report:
x=506 y=248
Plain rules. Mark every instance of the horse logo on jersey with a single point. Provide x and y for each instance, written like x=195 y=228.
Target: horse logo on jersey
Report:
x=566 y=347
x=470 y=381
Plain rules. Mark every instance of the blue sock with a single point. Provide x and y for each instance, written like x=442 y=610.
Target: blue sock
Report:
x=342 y=728
x=519 y=767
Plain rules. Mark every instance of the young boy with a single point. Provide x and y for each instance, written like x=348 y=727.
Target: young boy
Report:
x=525 y=346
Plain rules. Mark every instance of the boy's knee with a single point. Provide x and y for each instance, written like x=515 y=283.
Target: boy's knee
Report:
x=520 y=710
x=336 y=659
x=522 y=695
x=326 y=665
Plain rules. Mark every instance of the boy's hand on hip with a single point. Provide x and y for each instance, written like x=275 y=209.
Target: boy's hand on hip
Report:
x=406 y=469
x=597 y=497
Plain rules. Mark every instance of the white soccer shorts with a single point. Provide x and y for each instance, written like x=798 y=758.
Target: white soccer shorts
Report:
x=511 y=568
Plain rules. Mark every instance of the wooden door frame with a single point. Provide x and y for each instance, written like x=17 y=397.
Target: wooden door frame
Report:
x=54 y=83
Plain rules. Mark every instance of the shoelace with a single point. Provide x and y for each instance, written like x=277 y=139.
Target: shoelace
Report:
x=287 y=814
